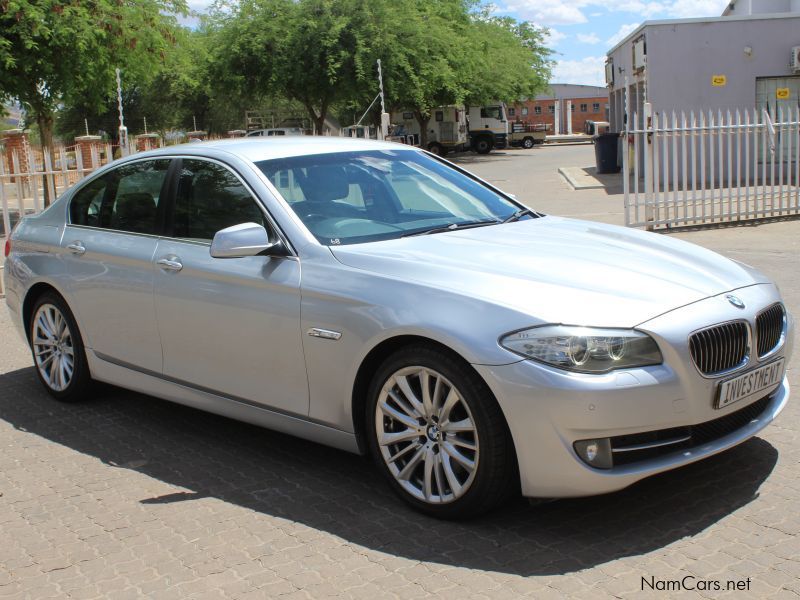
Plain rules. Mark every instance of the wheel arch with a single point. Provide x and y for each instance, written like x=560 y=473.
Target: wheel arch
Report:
x=31 y=296
x=370 y=363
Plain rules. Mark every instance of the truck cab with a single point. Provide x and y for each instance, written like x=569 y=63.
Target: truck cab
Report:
x=488 y=127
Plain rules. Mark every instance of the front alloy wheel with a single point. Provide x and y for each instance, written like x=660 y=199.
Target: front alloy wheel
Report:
x=427 y=435
x=438 y=435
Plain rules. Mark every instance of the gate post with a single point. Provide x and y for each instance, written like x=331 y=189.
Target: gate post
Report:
x=649 y=184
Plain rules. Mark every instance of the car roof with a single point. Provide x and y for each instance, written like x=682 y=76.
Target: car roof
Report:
x=255 y=149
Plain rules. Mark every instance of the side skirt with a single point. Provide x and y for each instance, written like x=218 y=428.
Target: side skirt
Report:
x=122 y=376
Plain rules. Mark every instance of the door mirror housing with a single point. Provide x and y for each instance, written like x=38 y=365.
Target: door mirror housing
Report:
x=245 y=239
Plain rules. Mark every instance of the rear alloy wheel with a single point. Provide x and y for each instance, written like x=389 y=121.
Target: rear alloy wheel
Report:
x=443 y=445
x=58 y=349
x=527 y=143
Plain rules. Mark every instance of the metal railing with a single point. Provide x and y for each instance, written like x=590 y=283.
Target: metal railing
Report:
x=32 y=179
x=710 y=168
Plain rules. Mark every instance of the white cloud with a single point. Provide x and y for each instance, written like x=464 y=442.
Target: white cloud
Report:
x=554 y=36
x=697 y=8
x=621 y=34
x=571 y=12
x=549 y=12
x=590 y=38
x=588 y=71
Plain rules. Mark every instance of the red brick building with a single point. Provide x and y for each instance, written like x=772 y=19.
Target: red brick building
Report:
x=588 y=103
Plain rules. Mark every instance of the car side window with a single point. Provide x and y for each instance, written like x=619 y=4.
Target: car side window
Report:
x=210 y=198
x=125 y=199
x=87 y=202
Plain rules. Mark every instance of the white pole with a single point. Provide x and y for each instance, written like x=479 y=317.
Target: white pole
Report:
x=384 y=131
x=123 y=131
x=569 y=117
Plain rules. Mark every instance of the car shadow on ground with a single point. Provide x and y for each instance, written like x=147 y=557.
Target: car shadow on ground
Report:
x=343 y=494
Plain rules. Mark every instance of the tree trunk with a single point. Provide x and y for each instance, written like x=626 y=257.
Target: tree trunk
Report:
x=44 y=119
x=318 y=119
x=422 y=118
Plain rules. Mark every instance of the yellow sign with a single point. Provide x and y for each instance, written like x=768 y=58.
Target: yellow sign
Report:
x=782 y=93
x=719 y=80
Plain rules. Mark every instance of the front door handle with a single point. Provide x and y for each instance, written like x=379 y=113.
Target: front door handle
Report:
x=170 y=263
x=76 y=248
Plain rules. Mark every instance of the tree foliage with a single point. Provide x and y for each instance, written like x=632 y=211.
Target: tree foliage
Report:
x=318 y=55
x=59 y=52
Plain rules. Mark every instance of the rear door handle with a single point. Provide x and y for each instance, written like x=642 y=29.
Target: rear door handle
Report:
x=170 y=263
x=76 y=248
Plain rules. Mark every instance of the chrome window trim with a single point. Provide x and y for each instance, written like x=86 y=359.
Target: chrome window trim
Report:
x=784 y=330
x=120 y=231
x=748 y=354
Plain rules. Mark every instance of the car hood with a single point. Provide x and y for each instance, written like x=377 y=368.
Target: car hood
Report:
x=559 y=270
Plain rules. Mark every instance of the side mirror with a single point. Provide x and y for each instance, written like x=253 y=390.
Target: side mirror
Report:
x=246 y=239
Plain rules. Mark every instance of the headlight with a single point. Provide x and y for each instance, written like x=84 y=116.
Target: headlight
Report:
x=584 y=349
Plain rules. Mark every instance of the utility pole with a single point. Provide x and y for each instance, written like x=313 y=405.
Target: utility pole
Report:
x=123 y=131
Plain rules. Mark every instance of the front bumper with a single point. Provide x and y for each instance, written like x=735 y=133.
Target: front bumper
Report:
x=548 y=409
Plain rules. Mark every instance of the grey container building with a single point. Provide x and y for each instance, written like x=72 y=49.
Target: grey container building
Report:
x=744 y=59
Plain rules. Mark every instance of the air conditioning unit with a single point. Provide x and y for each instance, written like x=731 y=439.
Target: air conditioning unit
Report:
x=795 y=63
x=639 y=54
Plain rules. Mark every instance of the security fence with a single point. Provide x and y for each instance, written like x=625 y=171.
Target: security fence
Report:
x=710 y=168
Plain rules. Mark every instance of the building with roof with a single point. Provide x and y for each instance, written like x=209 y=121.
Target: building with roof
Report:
x=748 y=58
x=564 y=108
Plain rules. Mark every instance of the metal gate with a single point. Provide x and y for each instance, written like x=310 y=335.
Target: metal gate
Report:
x=709 y=168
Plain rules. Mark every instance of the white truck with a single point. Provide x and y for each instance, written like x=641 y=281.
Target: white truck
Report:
x=488 y=127
x=447 y=129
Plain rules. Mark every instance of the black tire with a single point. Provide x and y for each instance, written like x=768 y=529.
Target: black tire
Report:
x=437 y=149
x=79 y=386
x=495 y=477
x=527 y=143
x=483 y=145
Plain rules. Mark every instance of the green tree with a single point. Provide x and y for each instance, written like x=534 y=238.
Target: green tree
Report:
x=508 y=60
x=314 y=52
x=59 y=52
x=425 y=53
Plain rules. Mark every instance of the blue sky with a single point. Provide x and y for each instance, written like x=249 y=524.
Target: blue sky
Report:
x=582 y=31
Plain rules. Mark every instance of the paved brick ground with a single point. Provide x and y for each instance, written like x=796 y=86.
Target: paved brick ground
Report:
x=127 y=496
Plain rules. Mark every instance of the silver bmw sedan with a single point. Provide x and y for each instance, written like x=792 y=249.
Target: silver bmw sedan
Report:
x=378 y=299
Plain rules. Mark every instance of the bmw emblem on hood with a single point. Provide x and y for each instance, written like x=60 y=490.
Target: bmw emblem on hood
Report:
x=735 y=301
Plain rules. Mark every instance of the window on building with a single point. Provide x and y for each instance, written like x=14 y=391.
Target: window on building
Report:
x=584 y=107
x=572 y=108
x=537 y=110
x=524 y=111
x=551 y=109
x=512 y=112
x=596 y=107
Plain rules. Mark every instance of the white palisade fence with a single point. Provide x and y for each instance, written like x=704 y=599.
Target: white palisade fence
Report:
x=710 y=168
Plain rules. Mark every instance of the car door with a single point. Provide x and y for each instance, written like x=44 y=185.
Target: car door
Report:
x=108 y=248
x=228 y=326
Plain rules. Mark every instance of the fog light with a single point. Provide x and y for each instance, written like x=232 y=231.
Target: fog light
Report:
x=595 y=453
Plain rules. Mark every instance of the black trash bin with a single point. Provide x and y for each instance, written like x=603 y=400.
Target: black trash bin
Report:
x=605 y=152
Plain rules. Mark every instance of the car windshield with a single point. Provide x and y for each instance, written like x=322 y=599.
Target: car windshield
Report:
x=366 y=196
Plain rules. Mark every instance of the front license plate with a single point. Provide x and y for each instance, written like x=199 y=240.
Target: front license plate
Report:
x=750 y=384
